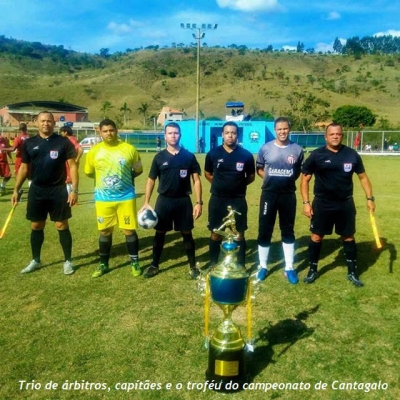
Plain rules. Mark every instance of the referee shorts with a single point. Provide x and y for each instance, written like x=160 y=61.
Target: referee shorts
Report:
x=43 y=201
x=340 y=214
x=217 y=210
x=174 y=213
x=112 y=213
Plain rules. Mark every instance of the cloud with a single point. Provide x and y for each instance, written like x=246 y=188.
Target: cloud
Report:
x=250 y=5
x=289 y=48
x=391 y=32
x=124 y=29
x=334 y=15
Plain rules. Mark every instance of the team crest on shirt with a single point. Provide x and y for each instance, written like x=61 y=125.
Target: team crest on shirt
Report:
x=100 y=220
x=347 y=167
x=291 y=159
x=54 y=154
x=122 y=161
x=183 y=173
x=239 y=166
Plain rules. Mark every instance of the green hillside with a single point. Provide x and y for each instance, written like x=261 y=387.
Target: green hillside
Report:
x=168 y=77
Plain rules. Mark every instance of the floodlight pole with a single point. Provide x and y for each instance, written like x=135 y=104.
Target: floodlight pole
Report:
x=198 y=36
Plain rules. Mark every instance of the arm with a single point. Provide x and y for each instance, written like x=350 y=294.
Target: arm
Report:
x=260 y=172
x=209 y=176
x=148 y=192
x=22 y=175
x=73 y=170
x=250 y=178
x=367 y=187
x=305 y=189
x=79 y=152
x=198 y=208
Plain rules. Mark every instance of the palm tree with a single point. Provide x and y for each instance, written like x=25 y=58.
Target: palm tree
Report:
x=125 y=109
x=143 y=110
x=106 y=106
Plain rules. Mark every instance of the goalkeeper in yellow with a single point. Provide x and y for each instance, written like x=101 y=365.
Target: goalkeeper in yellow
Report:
x=114 y=164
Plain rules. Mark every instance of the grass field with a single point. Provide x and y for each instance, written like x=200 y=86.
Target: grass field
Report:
x=76 y=330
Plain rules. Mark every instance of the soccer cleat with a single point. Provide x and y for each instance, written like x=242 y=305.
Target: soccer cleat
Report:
x=68 y=268
x=291 y=276
x=136 y=270
x=352 y=277
x=101 y=270
x=32 y=266
x=262 y=273
x=2 y=190
x=311 y=276
x=194 y=273
x=151 y=271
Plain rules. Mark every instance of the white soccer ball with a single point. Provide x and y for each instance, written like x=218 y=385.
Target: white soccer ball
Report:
x=147 y=219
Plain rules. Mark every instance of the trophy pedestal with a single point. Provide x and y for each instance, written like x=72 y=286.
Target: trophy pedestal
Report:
x=227 y=358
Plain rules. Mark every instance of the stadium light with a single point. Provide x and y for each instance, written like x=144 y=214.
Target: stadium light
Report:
x=198 y=35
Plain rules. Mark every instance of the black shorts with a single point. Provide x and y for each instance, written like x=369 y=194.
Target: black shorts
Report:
x=174 y=213
x=48 y=200
x=328 y=213
x=271 y=204
x=217 y=210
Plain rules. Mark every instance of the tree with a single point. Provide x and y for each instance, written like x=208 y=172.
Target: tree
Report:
x=125 y=110
x=306 y=110
x=300 y=47
x=144 y=107
x=105 y=107
x=354 y=116
x=104 y=52
x=337 y=45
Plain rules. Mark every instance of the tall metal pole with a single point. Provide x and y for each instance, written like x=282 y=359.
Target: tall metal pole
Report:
x=198 y=36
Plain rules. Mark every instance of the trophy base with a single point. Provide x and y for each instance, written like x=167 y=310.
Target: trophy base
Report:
x=227 y=369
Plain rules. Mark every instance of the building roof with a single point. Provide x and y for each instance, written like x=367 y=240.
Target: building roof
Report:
x=40 y=105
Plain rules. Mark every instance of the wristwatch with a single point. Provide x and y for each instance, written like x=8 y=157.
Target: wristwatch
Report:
x=306 y=202
x=372 y=198
x=200 y=202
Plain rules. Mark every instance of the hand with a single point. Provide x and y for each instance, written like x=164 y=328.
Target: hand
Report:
x=370 y=206
x=146 y=206
x=307 y=210
x=197 y=210
x=72 y=198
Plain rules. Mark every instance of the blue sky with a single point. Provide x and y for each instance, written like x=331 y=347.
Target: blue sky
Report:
x=89 y=25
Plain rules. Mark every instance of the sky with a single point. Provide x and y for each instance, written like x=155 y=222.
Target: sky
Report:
x=118 y=25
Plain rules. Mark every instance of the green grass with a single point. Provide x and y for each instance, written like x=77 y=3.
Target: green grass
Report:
x=123 y=329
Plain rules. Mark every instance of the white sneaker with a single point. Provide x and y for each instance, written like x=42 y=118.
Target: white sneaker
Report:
x=32 y=266
x=68 y=268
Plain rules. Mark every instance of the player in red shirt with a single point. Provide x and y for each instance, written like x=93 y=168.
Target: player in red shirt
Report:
x=17 y=145
x=66 y=131
x=5 y=173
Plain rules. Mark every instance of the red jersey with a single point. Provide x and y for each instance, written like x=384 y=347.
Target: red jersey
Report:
x=74 y=141
x=18 y=143
x=4 y=143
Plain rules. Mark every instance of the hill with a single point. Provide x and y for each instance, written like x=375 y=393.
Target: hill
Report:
x=158 y=77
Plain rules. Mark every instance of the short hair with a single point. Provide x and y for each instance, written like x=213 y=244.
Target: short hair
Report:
x=282 y=119
x=67 y=130
x=106 y=122
x=333 y=124
x=23 y=127
x=172 y=125
x=45 y=112
x=230 y=123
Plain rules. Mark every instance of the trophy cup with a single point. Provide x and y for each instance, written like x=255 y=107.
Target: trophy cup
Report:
x=228 y=285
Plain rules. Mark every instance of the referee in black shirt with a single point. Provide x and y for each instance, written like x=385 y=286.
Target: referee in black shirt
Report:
x=333 y=206
x=44 y=157
x=229 y=168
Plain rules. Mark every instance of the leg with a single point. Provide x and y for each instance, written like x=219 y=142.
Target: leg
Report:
x=350 y=250
x=158 y=246
x=314 y=250
x=132 y=244
x=37 y=239
x=189 y=246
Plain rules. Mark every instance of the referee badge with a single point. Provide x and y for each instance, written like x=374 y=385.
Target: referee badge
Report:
x=347 y=167
x=239 y=166
x=54 y=154
x=183 y=173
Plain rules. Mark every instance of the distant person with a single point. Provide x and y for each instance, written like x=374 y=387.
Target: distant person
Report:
x=279 y=165
x=18 y=144
x=230 y=169
x=333 y=205
x=158 y=144
x=201 y=145
x=175 y=168
x=66 y=131
x=44 y=156
x=114 y=165
x=213 y=141
x=5 y=154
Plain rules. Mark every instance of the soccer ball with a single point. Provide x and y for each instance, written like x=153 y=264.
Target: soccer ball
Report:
x=147 y=219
